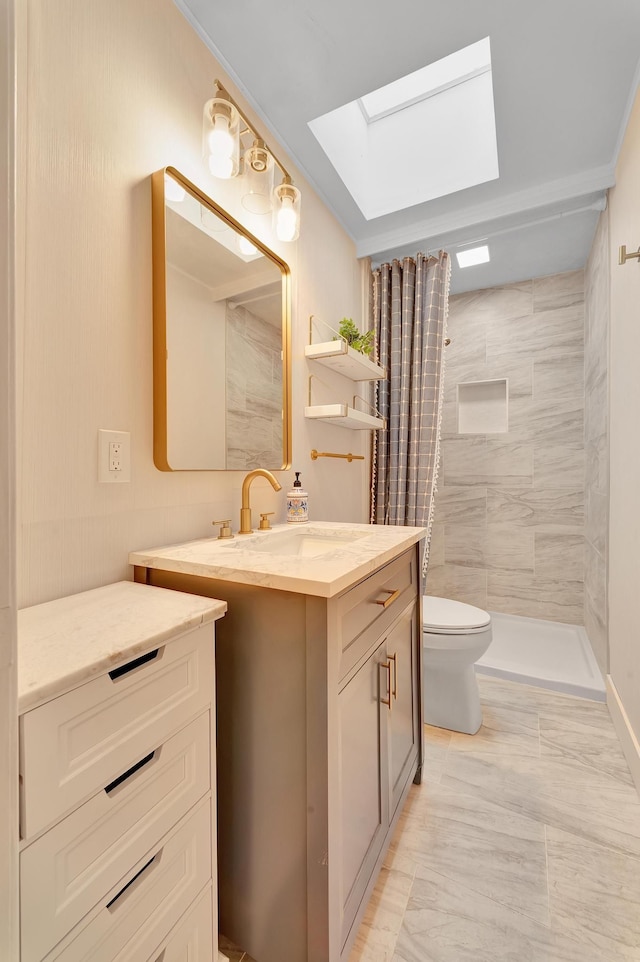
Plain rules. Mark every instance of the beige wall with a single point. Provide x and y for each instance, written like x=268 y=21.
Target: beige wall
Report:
x=115 y=90
x=8 y=713
x=624 y=528
x=509 y=517
x=596 y=434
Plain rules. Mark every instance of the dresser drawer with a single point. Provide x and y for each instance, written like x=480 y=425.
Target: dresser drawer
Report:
x=78 y=862
x=74 y=745
x=367 y=610
x=193 y=939
x=152 y=900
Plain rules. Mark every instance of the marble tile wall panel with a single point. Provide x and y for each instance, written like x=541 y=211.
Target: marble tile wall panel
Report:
x=530 y=480
x=492 y=304
x=547 y=422
x=536 y=506
x=597 y=464
x=548 y=333
x=559 y=555
x=461 y=504
x=559 y=377
x=597 y=409
x=596 y=605
x=498 y=547
x=436 y=548
x=597 y=322
x=558 y=290
x=597 y=520
x=519 y=371
x=473 y=462
x=459 y=583
x=522 y=594
x=559 y=466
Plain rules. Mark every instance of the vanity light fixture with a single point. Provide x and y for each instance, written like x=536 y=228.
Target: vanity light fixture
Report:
x=224 y=126
x=286 y=210
x=221 y=135
x=258 y=178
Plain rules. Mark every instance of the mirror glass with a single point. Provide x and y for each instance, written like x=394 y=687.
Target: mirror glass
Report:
x=221 y=338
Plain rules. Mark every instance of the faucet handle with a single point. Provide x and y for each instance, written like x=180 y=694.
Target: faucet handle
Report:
x=225 y=528
x=265 y=524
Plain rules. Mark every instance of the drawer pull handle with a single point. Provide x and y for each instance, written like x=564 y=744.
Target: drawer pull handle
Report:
x=130 y=882
x=394 y=659
x=129 y=772
x=387 y=701
x=392 y=597
x=131 y=665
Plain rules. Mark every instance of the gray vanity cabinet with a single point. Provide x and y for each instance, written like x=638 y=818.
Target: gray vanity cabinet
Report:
x=313 y=763
x=378 y=733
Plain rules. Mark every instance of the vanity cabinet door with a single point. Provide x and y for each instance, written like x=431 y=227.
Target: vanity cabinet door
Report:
x=403 y=720
x=363 y=794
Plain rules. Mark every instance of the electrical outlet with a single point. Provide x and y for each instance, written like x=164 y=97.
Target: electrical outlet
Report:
x=114 y=456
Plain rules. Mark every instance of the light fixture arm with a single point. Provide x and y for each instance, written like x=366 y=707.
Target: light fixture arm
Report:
x=224 y=93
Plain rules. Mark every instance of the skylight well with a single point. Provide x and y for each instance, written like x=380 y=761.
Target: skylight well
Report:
x=422 y=136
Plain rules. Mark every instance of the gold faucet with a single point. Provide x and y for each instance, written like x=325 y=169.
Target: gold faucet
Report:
x=245 y=510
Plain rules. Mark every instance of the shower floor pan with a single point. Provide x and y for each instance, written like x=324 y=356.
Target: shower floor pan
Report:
x=543 y=653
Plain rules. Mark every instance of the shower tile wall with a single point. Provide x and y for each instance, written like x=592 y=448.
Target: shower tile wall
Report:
x=597 y=442
x=254 y=403
x=509 y=520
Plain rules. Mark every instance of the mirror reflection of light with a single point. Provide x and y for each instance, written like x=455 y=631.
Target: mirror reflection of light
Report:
x=246 y=247
x=286 y=220
x=173 y=191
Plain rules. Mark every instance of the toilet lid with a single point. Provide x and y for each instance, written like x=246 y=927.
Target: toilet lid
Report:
x=445 y=614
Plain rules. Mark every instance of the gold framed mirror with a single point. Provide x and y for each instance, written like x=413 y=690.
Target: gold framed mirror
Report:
x=221 y=337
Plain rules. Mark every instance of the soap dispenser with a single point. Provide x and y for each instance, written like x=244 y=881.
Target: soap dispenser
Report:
x=297 y=503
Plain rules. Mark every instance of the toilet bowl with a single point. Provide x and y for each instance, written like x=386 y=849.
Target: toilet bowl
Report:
x=454 y=637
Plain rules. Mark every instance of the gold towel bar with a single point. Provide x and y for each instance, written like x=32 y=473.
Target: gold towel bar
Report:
x=624 y=257
x=327 y=454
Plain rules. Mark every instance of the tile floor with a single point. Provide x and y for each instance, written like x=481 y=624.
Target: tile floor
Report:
x=521 y=845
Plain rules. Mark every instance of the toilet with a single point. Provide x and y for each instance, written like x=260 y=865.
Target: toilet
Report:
x=454 y=637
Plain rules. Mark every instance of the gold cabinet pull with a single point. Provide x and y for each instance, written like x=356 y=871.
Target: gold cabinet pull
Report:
x=387 y=701
x=393 y=594
x=394 y=658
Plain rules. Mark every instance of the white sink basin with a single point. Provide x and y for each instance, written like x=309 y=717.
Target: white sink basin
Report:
x=303 y=543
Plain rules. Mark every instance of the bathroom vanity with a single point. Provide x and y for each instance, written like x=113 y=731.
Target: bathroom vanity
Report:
x=117 y=777
x=318 y=666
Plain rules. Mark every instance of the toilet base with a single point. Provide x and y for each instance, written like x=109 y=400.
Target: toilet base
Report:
x=451 y=699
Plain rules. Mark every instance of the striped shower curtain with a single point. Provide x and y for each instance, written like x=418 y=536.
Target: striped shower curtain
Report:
x=410 y=304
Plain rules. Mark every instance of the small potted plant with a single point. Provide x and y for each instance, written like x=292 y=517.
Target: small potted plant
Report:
x=360 y=341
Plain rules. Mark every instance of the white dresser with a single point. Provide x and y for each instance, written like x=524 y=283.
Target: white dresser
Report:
x=117 y=777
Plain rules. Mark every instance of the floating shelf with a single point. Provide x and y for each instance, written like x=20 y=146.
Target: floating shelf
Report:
x=344 y=359
x=344 y=416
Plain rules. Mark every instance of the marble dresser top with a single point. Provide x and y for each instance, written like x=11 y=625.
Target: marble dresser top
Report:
x=247 y=560
x=63 y=643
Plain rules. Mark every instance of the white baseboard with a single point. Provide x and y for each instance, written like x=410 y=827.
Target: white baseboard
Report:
x=628 y=739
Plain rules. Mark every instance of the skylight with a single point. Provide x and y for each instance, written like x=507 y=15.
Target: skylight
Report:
x=422 y=136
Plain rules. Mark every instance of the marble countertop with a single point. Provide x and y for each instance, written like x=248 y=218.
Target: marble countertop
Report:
x=63 y=643
x=245 y=560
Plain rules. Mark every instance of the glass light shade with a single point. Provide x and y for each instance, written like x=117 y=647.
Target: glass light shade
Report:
x=257 y=179
x=221 y=138
x=286 y=211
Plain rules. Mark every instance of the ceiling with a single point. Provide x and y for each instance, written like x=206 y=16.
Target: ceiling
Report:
x=564 y=76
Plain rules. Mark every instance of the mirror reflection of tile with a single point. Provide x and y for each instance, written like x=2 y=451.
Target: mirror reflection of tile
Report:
x=254 y=403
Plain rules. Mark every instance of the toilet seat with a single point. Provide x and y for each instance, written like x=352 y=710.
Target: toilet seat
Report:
x=442 y=616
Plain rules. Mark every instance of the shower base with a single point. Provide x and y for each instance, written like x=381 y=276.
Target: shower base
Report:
x=543 y=653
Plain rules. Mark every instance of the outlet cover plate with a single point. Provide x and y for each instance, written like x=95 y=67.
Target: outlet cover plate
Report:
x=105 y=475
